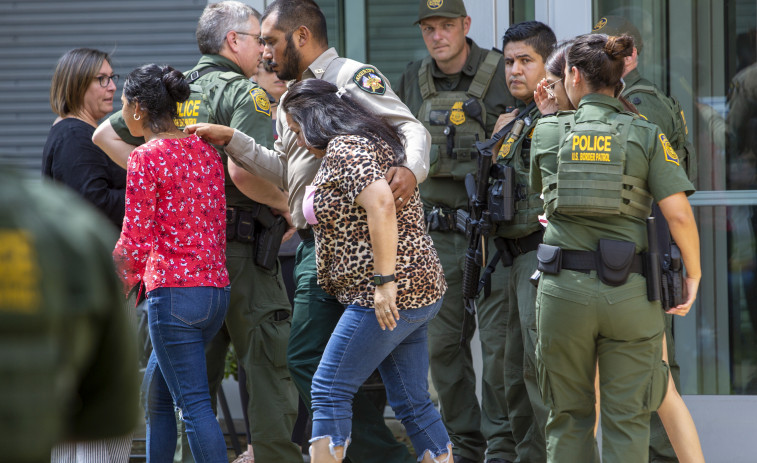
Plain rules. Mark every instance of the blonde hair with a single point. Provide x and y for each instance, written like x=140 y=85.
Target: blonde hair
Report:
x=73 y=74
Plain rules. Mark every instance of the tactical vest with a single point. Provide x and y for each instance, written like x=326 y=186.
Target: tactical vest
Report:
x=201 y=106
x=679 y=139
x=591 y=165
x=442 y=112
x=202 y=101
x=528 y=206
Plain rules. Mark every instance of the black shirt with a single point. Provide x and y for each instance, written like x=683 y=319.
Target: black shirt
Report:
x=71 y=158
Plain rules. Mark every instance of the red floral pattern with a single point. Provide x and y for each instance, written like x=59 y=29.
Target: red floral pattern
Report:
x=174 y=230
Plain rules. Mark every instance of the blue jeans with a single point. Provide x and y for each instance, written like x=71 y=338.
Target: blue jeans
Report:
x=182 y=321
x=357 y=347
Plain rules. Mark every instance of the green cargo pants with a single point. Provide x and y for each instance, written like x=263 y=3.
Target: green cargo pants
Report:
x=581 y=322
x=528 y=413
x=473 y=429
x=259 y=334
x=315 y=316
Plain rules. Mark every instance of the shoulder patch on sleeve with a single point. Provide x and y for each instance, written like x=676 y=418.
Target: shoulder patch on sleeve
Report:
x=670 y=153
x=260 y=99
x=369 y=80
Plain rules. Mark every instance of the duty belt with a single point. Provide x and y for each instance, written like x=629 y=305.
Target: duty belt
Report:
x=441 y=219
x=586 y=261
x=518 y=246
x=240 y=225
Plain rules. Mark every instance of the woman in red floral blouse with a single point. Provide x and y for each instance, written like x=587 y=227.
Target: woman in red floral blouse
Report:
x=173 y=241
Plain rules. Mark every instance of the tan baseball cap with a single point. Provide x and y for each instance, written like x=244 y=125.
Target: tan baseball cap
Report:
x=443 y=8
x=618 y=25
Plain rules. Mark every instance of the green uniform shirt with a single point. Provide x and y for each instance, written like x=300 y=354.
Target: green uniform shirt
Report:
x=496 y=101
x=649 y=105
x=68 y=356
x=646 y=159
x=237 y=107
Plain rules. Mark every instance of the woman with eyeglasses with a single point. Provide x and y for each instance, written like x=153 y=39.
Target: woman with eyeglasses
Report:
x=81 y=94
x=600 y=170
x=551 y=97
x=82 y=91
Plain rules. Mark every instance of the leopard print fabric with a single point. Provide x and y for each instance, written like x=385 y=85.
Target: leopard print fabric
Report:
x=344 y=255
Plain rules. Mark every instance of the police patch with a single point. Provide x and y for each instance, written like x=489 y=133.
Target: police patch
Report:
x=600 y=24
x=670 y=153
x=457 y=116
x=434 y=4
x=369 y=80
x=504 y=150
x=260 y=99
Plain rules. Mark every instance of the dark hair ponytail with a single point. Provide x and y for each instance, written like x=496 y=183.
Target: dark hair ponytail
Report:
x=158 y=89
x=600 y=58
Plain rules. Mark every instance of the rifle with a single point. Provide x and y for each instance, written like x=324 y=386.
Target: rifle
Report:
x=477 y=222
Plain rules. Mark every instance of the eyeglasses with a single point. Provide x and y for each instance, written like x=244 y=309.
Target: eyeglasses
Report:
x=551 y=88
x=257 y=37
x=105 y=80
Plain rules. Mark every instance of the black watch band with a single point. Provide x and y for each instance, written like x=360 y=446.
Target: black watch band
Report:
x=379 y=280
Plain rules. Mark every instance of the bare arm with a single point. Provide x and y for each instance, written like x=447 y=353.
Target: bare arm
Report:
x=683 y=227
x=378 y=202
x=108 y=140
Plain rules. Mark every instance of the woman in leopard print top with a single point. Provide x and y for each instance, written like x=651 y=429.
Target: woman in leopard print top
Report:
x=379 y=262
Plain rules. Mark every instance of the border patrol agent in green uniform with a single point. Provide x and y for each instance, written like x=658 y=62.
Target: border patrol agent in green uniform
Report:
x=458 y=100
x=69 y=359
x=600 y=169
x=259 y=315
x=666 y=112
x=519 y=237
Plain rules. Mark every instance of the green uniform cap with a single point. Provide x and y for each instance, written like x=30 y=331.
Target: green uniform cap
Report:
x=443 y=8
x=618 y=25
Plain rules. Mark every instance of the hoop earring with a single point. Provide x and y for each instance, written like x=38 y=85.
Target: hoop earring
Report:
x=137 y=117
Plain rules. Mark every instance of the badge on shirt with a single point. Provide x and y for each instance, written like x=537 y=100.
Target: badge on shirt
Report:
x=457 y=116
x=260 y=99
x=670 y=153
x=369 y=80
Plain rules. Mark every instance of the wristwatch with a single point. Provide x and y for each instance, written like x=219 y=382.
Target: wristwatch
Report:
x=379 y=280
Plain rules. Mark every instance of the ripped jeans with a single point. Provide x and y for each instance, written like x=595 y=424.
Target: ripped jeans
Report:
x=357 y=347
x=182 y=321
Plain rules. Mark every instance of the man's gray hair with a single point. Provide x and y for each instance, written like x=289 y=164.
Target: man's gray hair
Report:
x=217 y=20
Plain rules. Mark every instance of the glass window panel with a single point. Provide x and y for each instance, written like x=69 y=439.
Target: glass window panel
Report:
x=333 y=10
x=393 y=39
x=650 y=17
x=522 y=10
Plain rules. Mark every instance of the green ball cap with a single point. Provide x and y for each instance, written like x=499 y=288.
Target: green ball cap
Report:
x=443 y=8
x=618 y=25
